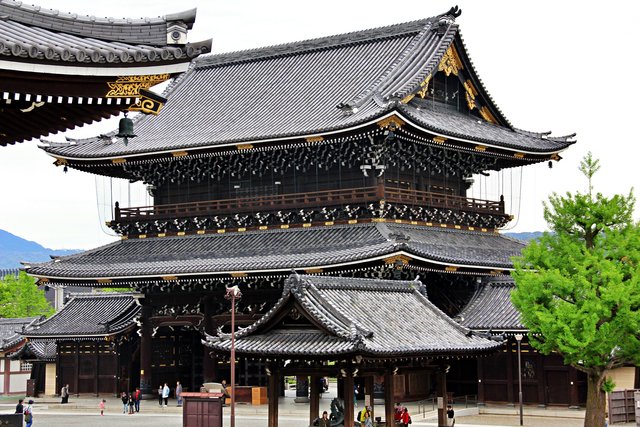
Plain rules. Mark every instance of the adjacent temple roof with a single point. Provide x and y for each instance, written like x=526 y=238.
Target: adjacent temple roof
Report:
x=490 y=309
x=10 y=331
x=349 y=316
x=283 y=249
x=61 y=70
x=315 y=87
x=88 y=317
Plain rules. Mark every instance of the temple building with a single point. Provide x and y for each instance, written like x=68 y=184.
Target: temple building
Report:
x=351 y=156
x=14 y=372
x=62 y=70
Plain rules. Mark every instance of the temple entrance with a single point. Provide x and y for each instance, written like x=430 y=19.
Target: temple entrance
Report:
x=177 y=355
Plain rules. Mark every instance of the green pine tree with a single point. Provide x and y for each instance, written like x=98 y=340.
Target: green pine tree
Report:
x=20 y=297
x=578 y=287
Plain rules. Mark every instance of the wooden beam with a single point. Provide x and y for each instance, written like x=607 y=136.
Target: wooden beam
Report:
x=388 y=398
x=314 y=404
x=348 y=392
x=442 y=396
x=273 y=383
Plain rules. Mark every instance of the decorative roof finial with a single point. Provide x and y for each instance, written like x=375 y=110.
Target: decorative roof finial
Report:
x=454 y=12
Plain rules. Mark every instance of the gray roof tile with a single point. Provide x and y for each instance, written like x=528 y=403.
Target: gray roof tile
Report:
x=355 y=316
x=10 y=330
x=294 y=89
x=32 y=33
x=491 y=308
x=89 y=315
x=279 y=249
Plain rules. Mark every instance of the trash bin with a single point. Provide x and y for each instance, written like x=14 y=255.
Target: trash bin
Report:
x=202 y=409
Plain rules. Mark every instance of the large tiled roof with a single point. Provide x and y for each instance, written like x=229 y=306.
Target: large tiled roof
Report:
x=490 y=309
x=294 y=90
x=31 y=33
x=355 y=316
x=10 y=330
x=94 y=315
x=281 y=250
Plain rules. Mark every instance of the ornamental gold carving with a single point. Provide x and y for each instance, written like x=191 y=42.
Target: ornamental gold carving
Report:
x=391 y=122
x=486 y=114
x=147 y=106
x=470 y=93
x=450 y=62
x=400 y=259
x=129 y=86
x=424 y=86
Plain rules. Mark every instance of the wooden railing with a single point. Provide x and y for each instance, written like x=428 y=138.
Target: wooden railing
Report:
x=305 y=200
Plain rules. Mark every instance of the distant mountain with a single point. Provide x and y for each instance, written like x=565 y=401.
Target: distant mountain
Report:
x=14 y=249
x=528 y=235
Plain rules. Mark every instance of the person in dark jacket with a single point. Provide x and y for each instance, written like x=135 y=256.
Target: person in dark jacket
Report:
x=20 y=407
x=324 y=421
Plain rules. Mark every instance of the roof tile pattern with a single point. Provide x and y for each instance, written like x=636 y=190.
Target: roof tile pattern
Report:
x=89 y=316
x=279 y=249
x=356 y=316
x=31 y=33
x=10 y=330
x=491 y=308
x=294 y=89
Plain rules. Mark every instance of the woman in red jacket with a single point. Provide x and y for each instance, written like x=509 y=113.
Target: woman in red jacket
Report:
x=405 y=418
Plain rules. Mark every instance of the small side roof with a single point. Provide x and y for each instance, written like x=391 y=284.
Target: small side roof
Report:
x=490 y=308
x=10 y=331
x=348 y=316
x=89 y=316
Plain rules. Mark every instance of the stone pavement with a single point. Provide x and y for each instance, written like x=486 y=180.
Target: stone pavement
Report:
x=84 y=411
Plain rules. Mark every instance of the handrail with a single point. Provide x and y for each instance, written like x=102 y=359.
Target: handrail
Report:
x=310 y=199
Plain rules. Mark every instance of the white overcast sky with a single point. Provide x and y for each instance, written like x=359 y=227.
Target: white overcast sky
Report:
x=549 y=65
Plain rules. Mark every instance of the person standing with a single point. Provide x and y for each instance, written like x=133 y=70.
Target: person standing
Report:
x=28 y=414
x=20 y=407
x=101 y=406
x=366 y=417
x=451 y=416
x=405 y=418
x=324 y=421
x=165 y=394
x=64 y=393
x=160 y=395
x=125 y=401
x=136 y=399
x=179 y=393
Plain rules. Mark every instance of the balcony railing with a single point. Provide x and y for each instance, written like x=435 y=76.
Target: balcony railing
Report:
x=329 y=198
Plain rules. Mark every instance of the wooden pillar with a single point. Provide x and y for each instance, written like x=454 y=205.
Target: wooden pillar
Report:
x=573 y=388
x=349 y=403
x=145 y=354
x=273 y=386
x=542 y=380
x=96 y=380
x=368 y=392
x=512 y=358
x=7 y=375
x=76 y=370
x=208 y=361
x=116 y=377
x=314 y=404
x=379 y=182
x=481 y=381
x=388 y=398
x=442 y=395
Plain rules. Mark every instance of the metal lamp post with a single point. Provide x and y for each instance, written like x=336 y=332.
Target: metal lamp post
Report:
x=233 y=294
x=518 y=338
